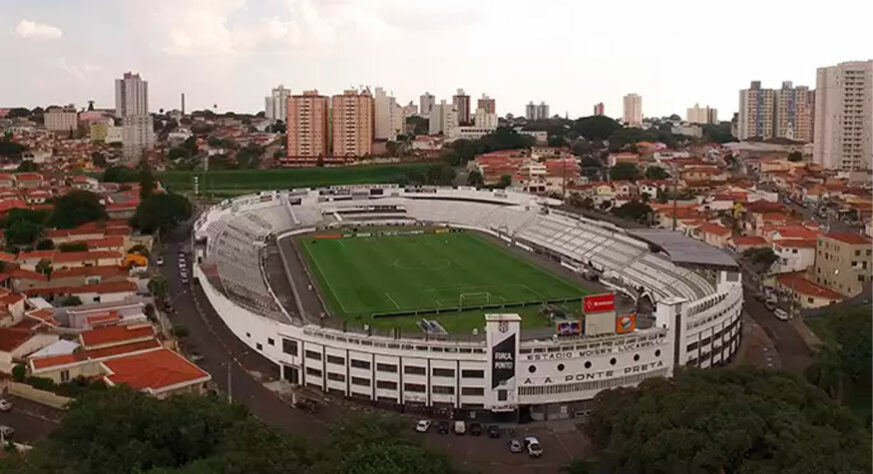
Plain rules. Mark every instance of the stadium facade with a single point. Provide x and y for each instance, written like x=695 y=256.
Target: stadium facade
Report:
x=695 y=290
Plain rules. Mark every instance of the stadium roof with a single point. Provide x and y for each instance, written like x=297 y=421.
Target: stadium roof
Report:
x=683 y=249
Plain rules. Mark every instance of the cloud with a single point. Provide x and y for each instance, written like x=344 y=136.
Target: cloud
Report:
x=79 y=71
x=32 y=29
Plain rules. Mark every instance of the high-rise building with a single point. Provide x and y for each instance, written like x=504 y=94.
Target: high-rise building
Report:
x=132 y=106
x=530 y=111
x=461 y=101
x=757 y=111
x=410 y=109
x=388 y=116
x=486 y=103
x=701 y=115
x=485 y=119
x=542 y=111
x=443 y=118
x=425 y=104
x=306 y=126
x=599 y=109
x=61 y=119
x=793 y=118
x=633 y=110
x=276 y=106
x=352 y=123
x=843 y=129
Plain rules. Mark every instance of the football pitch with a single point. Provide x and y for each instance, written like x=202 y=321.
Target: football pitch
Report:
x=430 y=272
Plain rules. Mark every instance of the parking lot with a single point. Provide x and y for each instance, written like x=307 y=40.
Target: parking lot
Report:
x=31 y=421
x=481 y=453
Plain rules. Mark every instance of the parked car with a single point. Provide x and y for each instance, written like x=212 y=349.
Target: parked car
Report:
x=475 y=429
x=5 y=405
x=534 y=449
x=443 y=427
x=515 y=446
x=460 y=427
x=7 y=431
x=159 y=261
x=781 y=314
x=493 y=431
x=196 y=357
x=422 y=426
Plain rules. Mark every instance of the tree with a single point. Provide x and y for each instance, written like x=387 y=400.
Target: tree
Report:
x=718 y=133
x=147 y=182
x=158 y=286
x=556 y=140
x=826 y=371
x=763 y=258
x=795 y=156
x=27 y=167
x=161 y=212
x=505 y=181
x=23 y=233
x=139 y=249
x=634 y=210
x=474 y=178
x=624 y=172
x=19 y=371
x=726 y=420
x=417 y=125
x=71 y=301
x=45 y=244
x=656 y=172
x=73 y=247
x=595 y=127
x=76 y=208
x=44 y=266
x=11 y=149
x=120 y=174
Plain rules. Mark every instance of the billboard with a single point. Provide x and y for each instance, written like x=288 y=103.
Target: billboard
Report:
x=599 y=303
x=625 y=323
x=502 y=331
x=569 y=328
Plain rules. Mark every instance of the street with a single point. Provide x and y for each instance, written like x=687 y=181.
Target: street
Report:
x=31 y=421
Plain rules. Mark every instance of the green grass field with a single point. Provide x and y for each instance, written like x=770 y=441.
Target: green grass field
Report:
x=360 y=276
x=235 y=182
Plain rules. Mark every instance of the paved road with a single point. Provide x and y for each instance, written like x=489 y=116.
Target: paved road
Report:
x=793 y=353
x=31 y=421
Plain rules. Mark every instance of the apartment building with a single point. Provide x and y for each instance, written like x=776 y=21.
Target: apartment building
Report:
x=61 y=119
x=793 y=117
x=352 y=123
x=633 y=110
x=276 y=105
x=599 y=109
x=701 y=115
x=757 y=110
x=425 y=104
x=843 y=130
x=844 y=262
x=461 y=101
x=388 y=116
x=443 y=119
x=132 y=107
x=307 y=127
x=487 y=104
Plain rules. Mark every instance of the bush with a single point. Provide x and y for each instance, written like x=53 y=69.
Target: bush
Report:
x=180 y=330
x=19 y=372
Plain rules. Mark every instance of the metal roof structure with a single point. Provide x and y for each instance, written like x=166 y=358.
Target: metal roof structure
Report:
x=683 y=249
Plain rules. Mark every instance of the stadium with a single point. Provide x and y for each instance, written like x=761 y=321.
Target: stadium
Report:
x=489 y=303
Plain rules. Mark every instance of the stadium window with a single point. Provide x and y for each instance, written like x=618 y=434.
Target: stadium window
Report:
x=360 y=381
x=443 y=390
x=438 y=372
x=313 y=372
x=336 y=377
x=331 y=359
x=658 y=353
x=472 y=391
x=612 y=361
x=501 y=395
x=313 y=355
x=636 y=357
x=532 y=368
x=271 y=341
x=588 y=364
x=560 y=367
x=413 y=387
x=259 y=346
x=386 y=368
x=386 y=384
x=289 y=347
x=472 y=374
x=414 y=370
x=360 y=364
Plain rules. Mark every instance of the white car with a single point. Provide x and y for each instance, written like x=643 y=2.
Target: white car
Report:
x=781 y=314
x=533 y=446
x=5 y=405
x=422 y=426
x=159 y=261
x=6 y=431
x=460 y=427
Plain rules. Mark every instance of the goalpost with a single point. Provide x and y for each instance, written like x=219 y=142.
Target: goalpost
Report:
x=479 y=297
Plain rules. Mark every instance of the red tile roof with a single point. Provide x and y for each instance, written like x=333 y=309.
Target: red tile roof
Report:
x=113 y=334
x=155 y=370
x=111 y=351
x=715 y=229
x=58 y=360
x=749 y=240
x=88 y=255
x=803 y=286
x=796 y=243
x=854 y=239
x=11 y=339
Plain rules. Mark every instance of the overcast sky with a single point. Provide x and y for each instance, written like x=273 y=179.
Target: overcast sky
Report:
x=570 y=54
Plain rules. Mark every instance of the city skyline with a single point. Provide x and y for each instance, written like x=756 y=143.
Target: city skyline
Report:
x=232 y=52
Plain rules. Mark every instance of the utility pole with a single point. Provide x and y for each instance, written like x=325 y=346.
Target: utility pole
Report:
x=675 y=185
x=229 y=387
